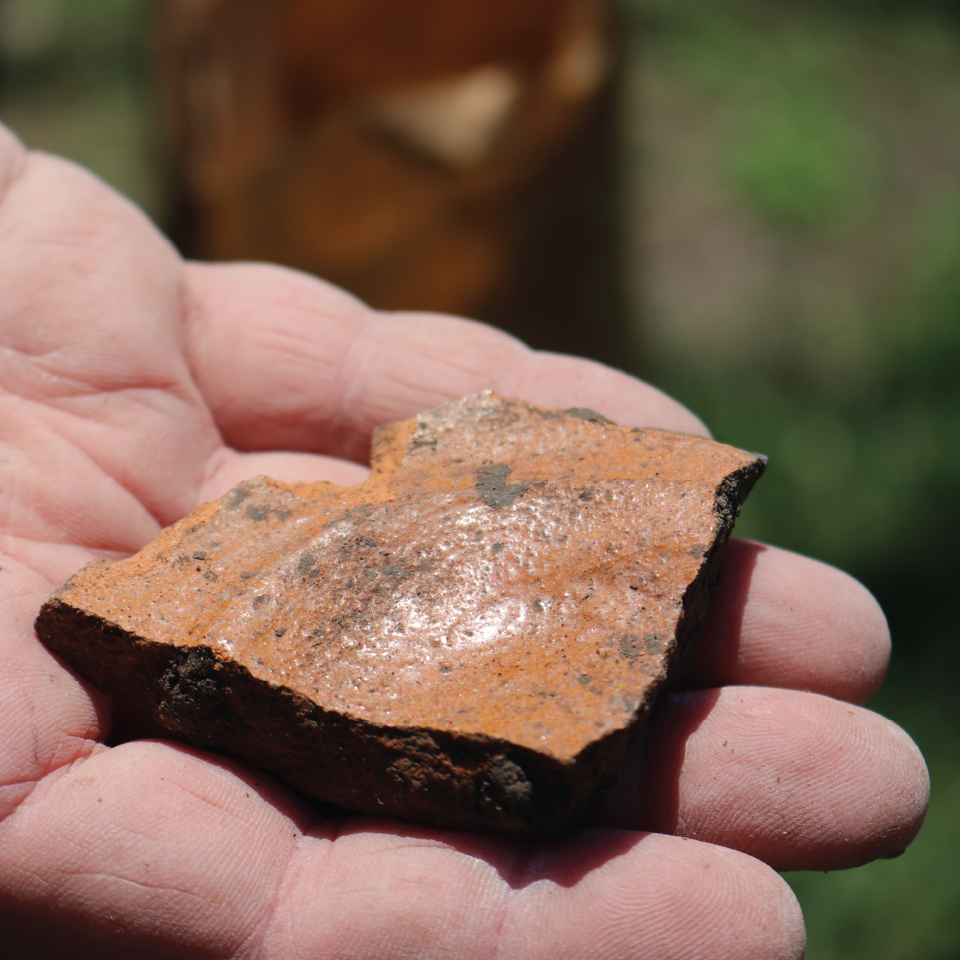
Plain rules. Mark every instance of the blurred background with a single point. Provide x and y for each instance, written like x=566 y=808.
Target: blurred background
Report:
x=754 y=205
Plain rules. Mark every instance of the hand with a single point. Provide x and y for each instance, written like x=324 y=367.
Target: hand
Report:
x=134 y=387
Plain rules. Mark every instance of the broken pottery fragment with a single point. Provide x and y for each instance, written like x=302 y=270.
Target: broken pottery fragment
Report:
x=467 y=639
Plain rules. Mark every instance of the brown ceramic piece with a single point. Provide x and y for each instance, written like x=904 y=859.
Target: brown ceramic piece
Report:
x=467 y=639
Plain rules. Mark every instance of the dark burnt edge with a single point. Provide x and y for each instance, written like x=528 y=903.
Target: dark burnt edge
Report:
x=457 y=781
x=729 y=498
x=730 y=495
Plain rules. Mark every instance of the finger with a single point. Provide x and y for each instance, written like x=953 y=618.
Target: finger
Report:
x=287 y=361
x=605 y=894
x=148 y=847
x=54 y=492
x=93 y=383
x=797 y=780
x=53 y=562
x=48 y=717
x=230 y=467
x=143 y=846
x=12 y=157
x=782 y=620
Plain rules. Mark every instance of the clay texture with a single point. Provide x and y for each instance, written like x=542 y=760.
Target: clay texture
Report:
x=467 y=639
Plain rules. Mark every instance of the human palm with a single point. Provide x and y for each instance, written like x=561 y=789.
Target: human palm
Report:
x=134 y=387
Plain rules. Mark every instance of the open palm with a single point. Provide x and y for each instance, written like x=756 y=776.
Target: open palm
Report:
x=134 y=387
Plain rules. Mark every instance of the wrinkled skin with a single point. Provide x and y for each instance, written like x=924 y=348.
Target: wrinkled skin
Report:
x=134 y=387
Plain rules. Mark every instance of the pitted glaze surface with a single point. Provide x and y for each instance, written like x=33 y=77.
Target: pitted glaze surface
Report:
x=506 y=573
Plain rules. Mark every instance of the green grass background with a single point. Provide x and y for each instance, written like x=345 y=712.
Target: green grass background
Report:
x=792 y=202
x=825 y=140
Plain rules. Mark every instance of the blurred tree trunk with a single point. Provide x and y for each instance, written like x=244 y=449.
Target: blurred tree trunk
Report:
x=448 y=155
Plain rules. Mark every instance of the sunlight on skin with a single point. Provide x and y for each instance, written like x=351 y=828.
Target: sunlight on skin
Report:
x=133 y=388
x=788 y=621
x=261 y=379
x=735 y=766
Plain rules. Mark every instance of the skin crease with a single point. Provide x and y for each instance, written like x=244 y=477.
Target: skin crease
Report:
x=132 y=388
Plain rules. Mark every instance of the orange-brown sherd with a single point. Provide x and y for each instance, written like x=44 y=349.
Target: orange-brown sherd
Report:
x=467 y=639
